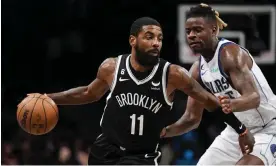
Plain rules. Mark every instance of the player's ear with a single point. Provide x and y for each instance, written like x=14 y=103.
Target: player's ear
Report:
x=215 y=30
x=132 y=40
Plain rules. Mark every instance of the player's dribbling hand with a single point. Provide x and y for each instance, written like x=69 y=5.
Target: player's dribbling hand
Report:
x=246 y=142
x=36 y=94
x=225 y=103
x=33 y=94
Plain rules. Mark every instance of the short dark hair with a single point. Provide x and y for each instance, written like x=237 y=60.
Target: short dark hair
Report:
x=202 y=11
x=140 y=22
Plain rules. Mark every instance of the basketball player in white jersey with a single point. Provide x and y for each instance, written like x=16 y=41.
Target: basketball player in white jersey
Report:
x=226 y=69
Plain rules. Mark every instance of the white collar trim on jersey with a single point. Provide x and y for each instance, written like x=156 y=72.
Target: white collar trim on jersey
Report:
x=139 y=82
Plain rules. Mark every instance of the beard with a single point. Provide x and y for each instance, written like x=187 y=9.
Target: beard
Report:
x=145 y=58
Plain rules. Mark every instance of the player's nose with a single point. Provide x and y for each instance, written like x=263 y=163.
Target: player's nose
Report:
x=191 y=35
x=156 y=43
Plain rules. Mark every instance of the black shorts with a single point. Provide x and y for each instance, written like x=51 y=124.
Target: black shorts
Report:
x=102 y=152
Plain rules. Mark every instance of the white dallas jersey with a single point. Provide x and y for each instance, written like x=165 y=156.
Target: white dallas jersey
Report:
x=216 y=80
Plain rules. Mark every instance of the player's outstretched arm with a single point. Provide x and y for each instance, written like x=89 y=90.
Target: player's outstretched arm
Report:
x=179 y=78
x=192 y=115
x=236 y=62
x=190 y=119
x=90 y=93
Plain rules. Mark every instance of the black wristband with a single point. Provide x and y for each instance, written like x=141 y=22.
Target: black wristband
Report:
x=232 y=120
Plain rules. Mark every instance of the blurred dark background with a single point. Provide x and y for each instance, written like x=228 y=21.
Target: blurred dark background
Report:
x=54 y=45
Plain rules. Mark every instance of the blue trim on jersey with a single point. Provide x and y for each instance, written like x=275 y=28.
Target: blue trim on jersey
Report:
x=254 y=74
x=260 y=86
x=261 y=117
x=200 y=79
x=199 y=67
x=219 y=63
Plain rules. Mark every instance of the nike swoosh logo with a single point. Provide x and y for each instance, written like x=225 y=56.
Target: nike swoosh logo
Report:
x=155 y=84
x=147 y=156
x=123 y=79
x=201 y=67
x=203 y=72
x=240 y=127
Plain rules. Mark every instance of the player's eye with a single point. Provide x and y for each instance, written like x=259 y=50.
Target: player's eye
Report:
x=160 y=38
x=149 y=37
x=198 y=30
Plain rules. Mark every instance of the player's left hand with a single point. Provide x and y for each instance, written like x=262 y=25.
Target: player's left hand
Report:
x=246 y=142
x=225 y=103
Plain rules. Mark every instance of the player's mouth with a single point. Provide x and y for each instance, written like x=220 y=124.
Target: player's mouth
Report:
x=154 y=52
x=195 y=44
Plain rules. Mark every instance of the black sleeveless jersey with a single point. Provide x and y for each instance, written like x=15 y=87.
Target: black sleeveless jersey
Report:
x=137 y=110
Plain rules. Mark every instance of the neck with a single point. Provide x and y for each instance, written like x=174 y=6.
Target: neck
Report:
x=136 y=66
x=208 y=54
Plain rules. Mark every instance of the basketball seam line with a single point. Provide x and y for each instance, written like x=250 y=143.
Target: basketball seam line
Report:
x=53 y=108
x=45 y=116
x=51 y=105
x=22 y=108
x=32 y=115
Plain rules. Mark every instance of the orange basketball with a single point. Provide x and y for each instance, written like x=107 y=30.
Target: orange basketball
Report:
x=37 y=114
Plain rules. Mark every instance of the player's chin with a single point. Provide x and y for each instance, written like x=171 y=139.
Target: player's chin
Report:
x=197 y=50
x=152 y=62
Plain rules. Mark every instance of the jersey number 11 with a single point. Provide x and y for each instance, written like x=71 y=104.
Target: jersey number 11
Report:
x=133 y=123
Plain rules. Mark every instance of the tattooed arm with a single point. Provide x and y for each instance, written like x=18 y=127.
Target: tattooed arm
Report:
x=179 y=78
x=90 y=93
x=192 y=115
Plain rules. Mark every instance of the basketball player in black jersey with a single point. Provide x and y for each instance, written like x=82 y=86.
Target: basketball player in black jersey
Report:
x=141 y=88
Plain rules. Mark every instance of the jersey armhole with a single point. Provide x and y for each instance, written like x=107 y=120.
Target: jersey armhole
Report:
x=219 y=62
x=165 y=81
x=114 y=81
x=200 y=79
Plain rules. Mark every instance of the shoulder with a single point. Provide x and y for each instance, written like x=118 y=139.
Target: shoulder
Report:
x=233 y=52
x=109 y=64
x=107 y=67
x=233 y=55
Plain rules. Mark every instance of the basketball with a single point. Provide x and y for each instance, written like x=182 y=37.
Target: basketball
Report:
x=37 y=114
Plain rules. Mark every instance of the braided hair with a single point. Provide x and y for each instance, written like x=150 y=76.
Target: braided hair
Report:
x=206 y=11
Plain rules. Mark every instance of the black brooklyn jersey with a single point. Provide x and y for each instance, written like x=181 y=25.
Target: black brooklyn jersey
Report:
x=137 y=110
